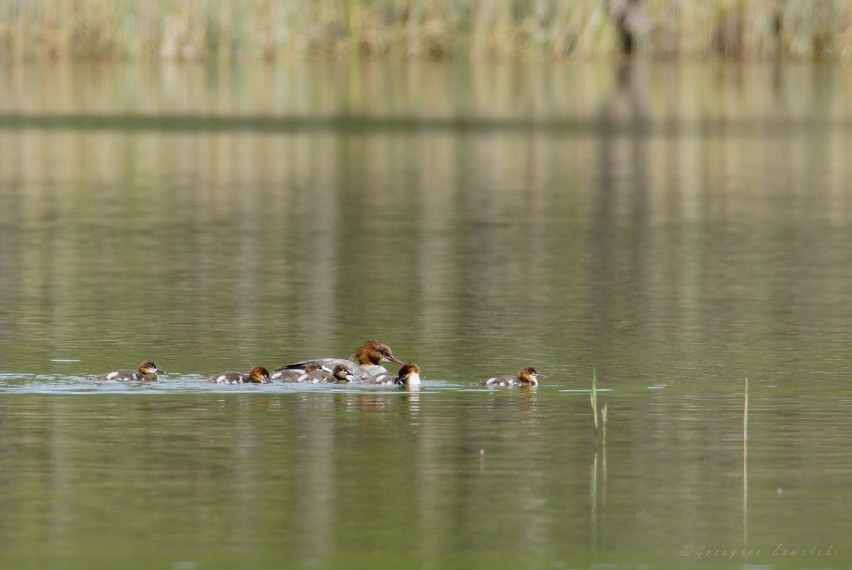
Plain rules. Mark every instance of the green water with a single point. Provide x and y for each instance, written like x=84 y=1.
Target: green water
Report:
x=676 y=228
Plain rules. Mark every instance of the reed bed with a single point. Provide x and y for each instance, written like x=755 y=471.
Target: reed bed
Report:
x=204 y=30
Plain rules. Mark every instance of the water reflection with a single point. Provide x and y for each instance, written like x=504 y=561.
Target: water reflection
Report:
x=598 y=495
x=745 y=464
x=676 y=227
x=229 y=465
x=437 y=220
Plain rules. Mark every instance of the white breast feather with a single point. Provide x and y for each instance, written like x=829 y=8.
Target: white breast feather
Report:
x=414 y=379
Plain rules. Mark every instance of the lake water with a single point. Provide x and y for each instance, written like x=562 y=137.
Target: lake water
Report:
x=673 y=229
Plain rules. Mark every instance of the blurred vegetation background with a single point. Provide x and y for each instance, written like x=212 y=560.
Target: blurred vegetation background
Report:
x=199 y=30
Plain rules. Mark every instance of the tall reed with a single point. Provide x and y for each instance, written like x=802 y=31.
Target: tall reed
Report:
x=205 y=30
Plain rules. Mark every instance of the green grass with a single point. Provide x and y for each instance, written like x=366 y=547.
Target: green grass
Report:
x=233 y=30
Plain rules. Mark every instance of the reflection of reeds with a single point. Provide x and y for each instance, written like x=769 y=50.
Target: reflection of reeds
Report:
x=266 y=29
x=745 y=464
x=599 y=414
x=600 y=451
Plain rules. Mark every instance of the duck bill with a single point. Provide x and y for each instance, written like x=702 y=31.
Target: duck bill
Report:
x=393 y=358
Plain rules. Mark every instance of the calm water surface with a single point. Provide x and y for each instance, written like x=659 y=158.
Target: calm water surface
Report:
x=675 y=228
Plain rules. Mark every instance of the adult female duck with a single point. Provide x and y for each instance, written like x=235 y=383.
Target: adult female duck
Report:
x=365 y=363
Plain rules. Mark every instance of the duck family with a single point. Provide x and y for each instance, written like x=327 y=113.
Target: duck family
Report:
x=364 y=366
